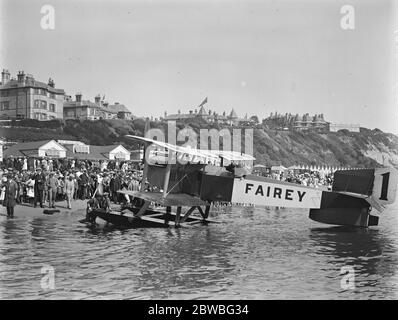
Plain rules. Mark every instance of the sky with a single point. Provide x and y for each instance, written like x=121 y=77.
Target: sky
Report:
x=257 y=56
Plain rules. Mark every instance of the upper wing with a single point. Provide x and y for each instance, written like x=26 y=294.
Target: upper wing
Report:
x=199 y=153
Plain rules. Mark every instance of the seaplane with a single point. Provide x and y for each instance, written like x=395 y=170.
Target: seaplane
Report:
x=183 y=177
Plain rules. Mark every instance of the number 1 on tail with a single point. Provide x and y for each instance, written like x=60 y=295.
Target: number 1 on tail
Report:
x=384 y=186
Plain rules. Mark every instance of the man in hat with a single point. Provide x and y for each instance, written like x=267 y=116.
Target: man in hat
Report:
x=40 y=180
x=52 y=184
x=11 y=194
x=83 y=184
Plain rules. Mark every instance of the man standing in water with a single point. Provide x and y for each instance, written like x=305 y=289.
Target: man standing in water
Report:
x=69 y=190
x=40 y=180
x=11 y=193
x=52 y=185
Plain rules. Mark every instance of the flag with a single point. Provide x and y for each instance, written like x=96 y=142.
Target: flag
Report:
x=203 y=102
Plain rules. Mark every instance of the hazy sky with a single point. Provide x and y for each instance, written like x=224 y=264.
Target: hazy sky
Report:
x=254 y=56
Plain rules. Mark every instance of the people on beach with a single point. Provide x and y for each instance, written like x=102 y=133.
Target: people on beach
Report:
x=69 y=180
x=10 y=196
x=40 y=180
x=70 y=190
x=52 y=186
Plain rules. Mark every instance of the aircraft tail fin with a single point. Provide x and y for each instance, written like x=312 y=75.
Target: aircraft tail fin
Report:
x=384 y=189
x=378 y=186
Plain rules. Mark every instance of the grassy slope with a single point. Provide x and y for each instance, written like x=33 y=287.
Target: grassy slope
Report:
x=270 y=147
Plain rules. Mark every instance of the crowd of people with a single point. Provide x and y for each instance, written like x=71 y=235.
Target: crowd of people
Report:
x=47 y=181
x=308 y=178
x=44 y=181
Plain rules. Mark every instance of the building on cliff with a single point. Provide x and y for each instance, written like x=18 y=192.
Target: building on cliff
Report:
x=287 y=121
x=334 y=127
x=231 y=118
x=87 y=110
x=27 y=98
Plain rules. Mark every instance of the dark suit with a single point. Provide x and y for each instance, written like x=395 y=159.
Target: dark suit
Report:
x=40 y=180
x=10 y=197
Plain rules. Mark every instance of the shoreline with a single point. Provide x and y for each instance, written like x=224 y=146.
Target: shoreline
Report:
x=27 y=210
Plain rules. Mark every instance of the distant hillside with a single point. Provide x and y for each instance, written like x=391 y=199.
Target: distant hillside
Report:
x=368 y=148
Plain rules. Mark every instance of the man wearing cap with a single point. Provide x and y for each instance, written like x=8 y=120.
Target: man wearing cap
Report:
x=52 y=185
x=11 y=193
x=39 y=187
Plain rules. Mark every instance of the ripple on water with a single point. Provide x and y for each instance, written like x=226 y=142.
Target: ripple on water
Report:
x=252 y=254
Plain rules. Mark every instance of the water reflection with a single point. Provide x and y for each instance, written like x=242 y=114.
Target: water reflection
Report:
x=253 y=253
x=371 y=253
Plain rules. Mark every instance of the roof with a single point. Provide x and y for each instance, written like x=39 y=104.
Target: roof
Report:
x=118 y=108
x=96 y=152
x=13 y=83
x=26 y=148
x=233 y=114
x=180 y=116
x=114 y=108
x=74 y=104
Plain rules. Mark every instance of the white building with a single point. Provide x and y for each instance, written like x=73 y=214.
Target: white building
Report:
x=334 y=127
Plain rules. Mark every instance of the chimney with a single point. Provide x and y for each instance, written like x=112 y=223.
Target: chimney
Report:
x=116 y=103
x=190 y=111
x=78 y=97
x=51 y=83
x=29 y=79
x=165 y=114
x=97 y=99
x=5 y=76
x=21 y=77
x=105 y=104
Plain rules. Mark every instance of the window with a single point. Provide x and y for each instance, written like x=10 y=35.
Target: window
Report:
x=5 y=105
x=37 y=91
x=4 y=93
x=43 y=105
x=52 y=153
x=52 y=107
x=43 y=92
x=37 y=104
x=52 y=95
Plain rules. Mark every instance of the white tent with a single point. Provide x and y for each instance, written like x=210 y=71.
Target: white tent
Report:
x=278 y=168
x=259 y=166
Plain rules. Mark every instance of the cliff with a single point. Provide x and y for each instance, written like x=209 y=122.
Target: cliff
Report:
x=369 y=148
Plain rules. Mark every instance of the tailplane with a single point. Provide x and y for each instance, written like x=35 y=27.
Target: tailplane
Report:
x=354 y=194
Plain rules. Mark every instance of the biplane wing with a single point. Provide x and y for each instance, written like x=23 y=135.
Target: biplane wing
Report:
x=171 y=200
x=354 y=192
x=200 y=153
